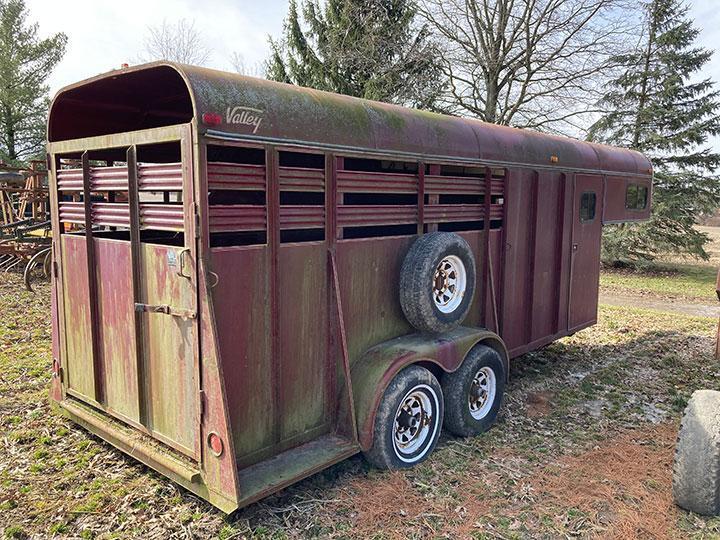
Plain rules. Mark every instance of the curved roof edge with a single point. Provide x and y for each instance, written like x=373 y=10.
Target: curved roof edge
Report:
x=246 y=107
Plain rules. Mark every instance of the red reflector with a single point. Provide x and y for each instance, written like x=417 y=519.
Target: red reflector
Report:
x=211 y=119
x=215 y=443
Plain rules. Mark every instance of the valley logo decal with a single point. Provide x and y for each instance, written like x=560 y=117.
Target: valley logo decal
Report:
x=246 y=116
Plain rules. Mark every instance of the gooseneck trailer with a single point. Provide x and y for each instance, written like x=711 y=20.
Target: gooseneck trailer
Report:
x=253 y=281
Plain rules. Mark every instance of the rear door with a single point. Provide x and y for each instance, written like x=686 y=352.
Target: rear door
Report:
x=585 y=250
x=129 y=282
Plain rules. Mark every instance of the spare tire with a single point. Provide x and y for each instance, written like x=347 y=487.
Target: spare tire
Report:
x=696 y=473
x=437 y=282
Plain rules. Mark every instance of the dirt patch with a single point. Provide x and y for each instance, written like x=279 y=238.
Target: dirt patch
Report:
x=623 y=486
x=671 y=305
x=538 y=404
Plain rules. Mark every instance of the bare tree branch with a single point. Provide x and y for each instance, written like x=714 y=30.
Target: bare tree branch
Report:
x=528 y=63
x=177 y=42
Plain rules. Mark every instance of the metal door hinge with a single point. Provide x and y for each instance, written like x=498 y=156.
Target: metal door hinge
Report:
x=202 y=402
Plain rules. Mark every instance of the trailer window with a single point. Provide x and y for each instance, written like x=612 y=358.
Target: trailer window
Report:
x=587 y=206
x=636 y=197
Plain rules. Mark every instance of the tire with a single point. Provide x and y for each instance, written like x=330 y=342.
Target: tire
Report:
x=402 y=441
x=696 y=473
x=437 y=282
x=467 y=413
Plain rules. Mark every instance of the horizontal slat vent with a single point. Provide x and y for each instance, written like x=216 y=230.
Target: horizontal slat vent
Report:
x=237 y=217
x=236 y=176
x=376 y=182
x=151 y=177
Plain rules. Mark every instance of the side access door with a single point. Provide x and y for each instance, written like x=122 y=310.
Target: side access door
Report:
x=585 y=250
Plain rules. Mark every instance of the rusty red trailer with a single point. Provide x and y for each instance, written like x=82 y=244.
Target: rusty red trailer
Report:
x=253 y=281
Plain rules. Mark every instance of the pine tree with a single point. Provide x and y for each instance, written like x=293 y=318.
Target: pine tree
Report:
x=26 y=62
x=363 y=48
x=659 y=106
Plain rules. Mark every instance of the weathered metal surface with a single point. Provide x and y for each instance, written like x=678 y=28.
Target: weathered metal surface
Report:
x=254 y=364
x=169 y=342
x=614 y=204
x=242 y=321
x=279 y=112
x=303 y=327
x=585 y=265
x=375 y=369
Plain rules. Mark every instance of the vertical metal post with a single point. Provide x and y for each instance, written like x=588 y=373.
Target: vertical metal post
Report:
x=534 y=194
x=92 y=282
x=273 y=241
x=57 y=271
x=136 y=266
x=332 y=322
x=486 y=276
x=433 y=198
x=421 y=198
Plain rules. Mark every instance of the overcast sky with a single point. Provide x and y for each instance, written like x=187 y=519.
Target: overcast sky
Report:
x=103 y=35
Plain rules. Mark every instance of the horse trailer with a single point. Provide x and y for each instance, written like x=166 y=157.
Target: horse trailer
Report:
x=253 y=281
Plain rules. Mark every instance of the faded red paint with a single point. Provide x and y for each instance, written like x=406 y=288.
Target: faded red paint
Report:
x=238 y=369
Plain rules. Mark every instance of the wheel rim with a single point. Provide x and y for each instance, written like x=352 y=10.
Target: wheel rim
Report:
x=449 y=284
x=482 y=393
x=415 y=423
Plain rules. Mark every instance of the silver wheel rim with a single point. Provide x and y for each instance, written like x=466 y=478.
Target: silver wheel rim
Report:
x=482 y=393
x=449 y=283
x=415 y=423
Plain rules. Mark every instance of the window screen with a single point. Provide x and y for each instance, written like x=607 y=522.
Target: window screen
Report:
x=587 y=206
x=636 y=197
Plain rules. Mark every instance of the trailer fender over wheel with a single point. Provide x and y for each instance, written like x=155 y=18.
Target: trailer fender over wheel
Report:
x=437 y=282
x=474 y=392
x=408 y=421
x=696 y=473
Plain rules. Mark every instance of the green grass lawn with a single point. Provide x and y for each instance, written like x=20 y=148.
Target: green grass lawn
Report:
x=683 y=281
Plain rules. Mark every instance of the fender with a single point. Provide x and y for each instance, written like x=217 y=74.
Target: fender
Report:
x=372 y=373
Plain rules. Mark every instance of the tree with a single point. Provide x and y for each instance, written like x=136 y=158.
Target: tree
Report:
x=26 y=62
x=365 y=48
x=527 y=63
x=177 y=42
x=659 y=106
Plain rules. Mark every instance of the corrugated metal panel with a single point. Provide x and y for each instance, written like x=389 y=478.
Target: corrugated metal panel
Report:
x=364 y=215
x=234 y=176
x=302 y=217
x=111 y=214
x=238 y=217
x=151 y=177
x=453 y=212
x=162 y=217
x=159 y=177
x=454 y=185
x=301 y=179
x=371 y=182
x=72 y=212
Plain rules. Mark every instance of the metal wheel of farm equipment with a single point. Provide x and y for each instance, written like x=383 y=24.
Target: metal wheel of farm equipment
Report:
x=474 y=392
x=696 y=473
x=437 y=282
x=408 y=420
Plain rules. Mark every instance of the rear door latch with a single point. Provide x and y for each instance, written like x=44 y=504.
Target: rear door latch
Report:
x=166 y=309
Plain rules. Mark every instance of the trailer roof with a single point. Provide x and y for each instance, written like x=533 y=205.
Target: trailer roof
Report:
x=229 y=105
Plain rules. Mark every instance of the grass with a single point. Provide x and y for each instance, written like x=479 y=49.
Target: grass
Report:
x=583 y=447
x=683 y=281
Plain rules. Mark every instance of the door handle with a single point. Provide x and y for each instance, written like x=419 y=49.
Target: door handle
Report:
x=166 y=310
x=181 y=262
